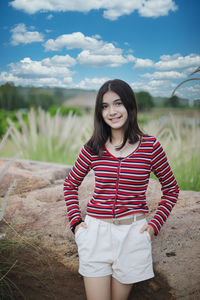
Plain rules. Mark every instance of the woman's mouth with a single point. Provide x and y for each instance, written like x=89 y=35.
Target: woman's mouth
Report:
x=115 y=120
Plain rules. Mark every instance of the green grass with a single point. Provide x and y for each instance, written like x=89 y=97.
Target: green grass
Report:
x=188 y=173
x=179 y=135
x=59 y=139
x=49 y=138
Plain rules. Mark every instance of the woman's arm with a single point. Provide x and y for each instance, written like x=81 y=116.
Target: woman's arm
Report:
x=169 y=187
x=71 y=185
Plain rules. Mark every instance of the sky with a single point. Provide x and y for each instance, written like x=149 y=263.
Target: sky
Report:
x=151 y=44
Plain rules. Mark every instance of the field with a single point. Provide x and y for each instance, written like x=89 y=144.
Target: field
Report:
x=59 y=139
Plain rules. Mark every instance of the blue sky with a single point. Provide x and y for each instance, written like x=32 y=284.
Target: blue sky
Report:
x=151 y=44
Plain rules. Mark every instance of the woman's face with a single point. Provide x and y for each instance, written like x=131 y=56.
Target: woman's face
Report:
x=114 y=112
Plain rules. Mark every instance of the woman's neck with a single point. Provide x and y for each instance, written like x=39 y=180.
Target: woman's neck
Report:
x=117 y=137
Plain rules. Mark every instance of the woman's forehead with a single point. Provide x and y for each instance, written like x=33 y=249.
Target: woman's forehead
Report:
x=110 y=96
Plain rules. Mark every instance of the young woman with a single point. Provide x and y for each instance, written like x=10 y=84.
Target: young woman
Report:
x=114 y=240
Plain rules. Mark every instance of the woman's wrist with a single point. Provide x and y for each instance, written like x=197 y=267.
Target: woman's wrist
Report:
x=75 y=224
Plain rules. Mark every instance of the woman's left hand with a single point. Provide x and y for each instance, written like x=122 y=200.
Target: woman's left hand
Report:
x=150 y=230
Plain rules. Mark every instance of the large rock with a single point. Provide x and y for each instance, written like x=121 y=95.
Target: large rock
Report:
x=36 y=210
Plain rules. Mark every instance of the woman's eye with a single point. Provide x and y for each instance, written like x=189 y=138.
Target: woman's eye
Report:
x=104 y=106
x=118 y=103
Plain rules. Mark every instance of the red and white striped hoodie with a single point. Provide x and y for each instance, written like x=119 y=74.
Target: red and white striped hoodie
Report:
x=121 y=184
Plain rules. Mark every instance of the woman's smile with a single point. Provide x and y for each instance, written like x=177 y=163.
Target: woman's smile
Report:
x=116 y=119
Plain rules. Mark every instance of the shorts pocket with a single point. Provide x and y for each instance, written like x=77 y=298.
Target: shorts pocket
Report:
x=79 y=232
x=148 y=236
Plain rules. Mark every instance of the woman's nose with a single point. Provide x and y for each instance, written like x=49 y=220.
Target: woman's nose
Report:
x=112 y=110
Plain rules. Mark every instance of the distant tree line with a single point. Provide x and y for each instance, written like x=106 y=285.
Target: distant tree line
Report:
x=11 y=98
x=14 y=98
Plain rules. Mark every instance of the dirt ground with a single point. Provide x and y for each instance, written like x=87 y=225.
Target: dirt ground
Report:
x=39 y=276
x=45 y=259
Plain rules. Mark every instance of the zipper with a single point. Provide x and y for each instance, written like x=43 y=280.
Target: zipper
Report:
x=117 y=186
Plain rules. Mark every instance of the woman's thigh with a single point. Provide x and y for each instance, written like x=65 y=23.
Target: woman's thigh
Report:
x=106 y=288
x=120 y=291
x=98 y=288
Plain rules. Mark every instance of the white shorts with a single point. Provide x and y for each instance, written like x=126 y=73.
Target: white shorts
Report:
x=117 y=250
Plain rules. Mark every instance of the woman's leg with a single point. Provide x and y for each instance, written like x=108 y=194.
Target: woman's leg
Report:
x=120 y=291
x=98 y=288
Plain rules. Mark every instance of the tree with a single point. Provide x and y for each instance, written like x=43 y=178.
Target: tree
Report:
x=197 y=103
x=10 y=98
x=40 y=99
x=144 y=100
x=173 y=101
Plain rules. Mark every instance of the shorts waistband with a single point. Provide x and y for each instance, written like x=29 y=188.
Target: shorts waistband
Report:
x=127 y=221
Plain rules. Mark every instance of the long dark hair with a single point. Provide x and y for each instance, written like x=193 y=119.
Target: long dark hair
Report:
x=102 y=131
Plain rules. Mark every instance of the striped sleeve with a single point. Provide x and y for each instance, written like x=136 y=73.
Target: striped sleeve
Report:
x=169 y=186
x=72 y=183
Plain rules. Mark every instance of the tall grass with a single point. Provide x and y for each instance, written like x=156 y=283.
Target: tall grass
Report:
x=59 y=139
x=51 y=138
x=6 y=265
x=4 y=200
x=180 y=137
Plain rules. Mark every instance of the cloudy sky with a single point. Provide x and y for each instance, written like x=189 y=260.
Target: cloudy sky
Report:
x=151 y=44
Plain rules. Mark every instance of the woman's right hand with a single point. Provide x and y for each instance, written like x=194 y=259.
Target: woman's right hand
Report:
x=82 y=224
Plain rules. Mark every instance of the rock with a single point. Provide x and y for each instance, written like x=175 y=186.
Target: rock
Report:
x=36 y=210
x=25 y=180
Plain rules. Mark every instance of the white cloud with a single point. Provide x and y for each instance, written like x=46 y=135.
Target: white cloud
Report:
x=49 y=17
x=59 y=61
x=96 y=53
x=164 y=75
x=92 y=83
x=72 y=41
x=178 y=62
x=77 y=40
x=51 y=81
x=96 y=36
x=49 y=71
x=20 y=35
x=154 y=87
x=189 y=91
x=130 y=58
x=164 y=88
x=175 y=62
x=88 y=58
x=143 y=63
x=44 y=68
x=157 y=8
x=112 y=9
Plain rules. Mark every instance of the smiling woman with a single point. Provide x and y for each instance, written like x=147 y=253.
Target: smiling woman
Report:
x=114 y=240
